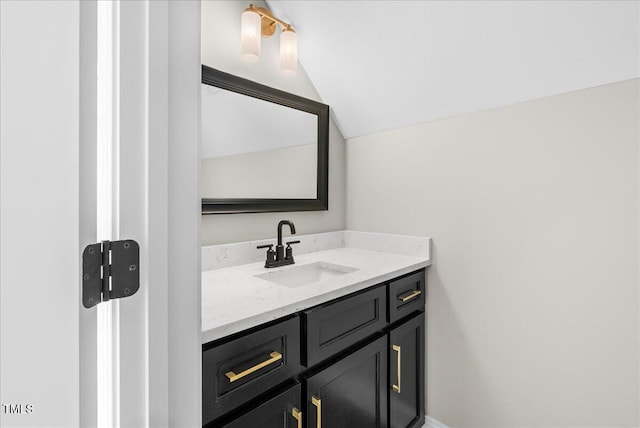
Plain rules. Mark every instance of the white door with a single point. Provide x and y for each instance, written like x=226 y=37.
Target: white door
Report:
x=40 y=213
x=84 y=159
x=40 y=208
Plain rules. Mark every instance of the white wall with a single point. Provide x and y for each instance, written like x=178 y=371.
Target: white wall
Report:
x=221 y=50
x=533 y=296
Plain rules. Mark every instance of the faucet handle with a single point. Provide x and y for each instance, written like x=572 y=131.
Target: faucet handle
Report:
x=271 y=254
x=289 y=250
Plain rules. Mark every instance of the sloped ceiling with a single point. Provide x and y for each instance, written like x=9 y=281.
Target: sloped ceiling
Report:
x=383 y=65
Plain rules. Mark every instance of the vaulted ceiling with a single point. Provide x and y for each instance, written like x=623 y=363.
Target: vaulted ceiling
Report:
x=383 y=65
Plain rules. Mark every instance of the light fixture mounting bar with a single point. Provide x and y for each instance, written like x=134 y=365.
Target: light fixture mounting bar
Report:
x=269 y=21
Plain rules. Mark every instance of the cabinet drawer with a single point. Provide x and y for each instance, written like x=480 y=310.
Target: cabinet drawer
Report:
x=241 y=369
x=334 y=327
x=406 y=295
x=281 y=411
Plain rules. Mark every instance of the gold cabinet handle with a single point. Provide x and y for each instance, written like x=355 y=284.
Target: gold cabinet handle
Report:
x=297 y=415
x=318 y=403
x=414 y=294
x=396 y=387
x=275 y=356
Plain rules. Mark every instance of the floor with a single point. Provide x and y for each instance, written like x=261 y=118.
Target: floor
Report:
x=432 y=423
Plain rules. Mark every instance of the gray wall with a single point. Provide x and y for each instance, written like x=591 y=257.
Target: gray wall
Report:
x=533 y=295
x=288 y=172
x=220 y=28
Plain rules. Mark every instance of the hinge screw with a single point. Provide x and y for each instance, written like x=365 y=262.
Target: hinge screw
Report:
x=127 y=291
x=86 y=277
x=126 y=245
x=90 y=250
x=132 y=268
x=90 y=300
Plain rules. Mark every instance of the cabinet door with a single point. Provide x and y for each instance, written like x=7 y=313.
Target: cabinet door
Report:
x=351 y=392
x=281 y=411
x=406 y=374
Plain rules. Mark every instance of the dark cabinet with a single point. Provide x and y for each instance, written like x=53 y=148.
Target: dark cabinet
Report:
x=406 y=374
x=406 y=295
x=351 y=392
x=281 y=411
x=353 y=362
x=335 y=326
x=242 y=368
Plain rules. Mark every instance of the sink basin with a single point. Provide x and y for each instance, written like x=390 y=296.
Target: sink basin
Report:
x=297 y=276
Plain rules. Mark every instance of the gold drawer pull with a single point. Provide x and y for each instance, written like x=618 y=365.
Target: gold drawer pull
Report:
x=318 y=403
x=396 y=388
x=297 y=415
x=275 y=356
x=416 y=293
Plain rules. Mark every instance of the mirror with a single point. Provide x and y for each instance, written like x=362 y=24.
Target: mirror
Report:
x=263 y=150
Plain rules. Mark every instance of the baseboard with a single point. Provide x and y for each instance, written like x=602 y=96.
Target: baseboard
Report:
x=433 y=423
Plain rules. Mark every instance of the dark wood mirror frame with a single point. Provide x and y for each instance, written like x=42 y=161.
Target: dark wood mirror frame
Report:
x=220 y=79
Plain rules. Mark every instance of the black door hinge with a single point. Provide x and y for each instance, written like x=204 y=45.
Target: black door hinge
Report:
x=110 y=270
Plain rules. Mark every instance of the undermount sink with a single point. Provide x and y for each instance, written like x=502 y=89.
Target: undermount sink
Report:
x=297 y=276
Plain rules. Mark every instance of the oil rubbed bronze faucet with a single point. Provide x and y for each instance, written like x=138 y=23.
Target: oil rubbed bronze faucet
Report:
x=281 y=256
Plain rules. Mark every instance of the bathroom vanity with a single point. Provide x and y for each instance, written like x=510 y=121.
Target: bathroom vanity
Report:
x=336 y=340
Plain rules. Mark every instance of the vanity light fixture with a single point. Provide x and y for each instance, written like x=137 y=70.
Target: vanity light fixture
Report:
x=257 y=22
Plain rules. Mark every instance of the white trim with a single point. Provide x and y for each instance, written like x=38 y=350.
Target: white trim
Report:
x=185 y=352
x=131 y=208
x=106 y=141
x=157 y=214
x=433 y=423
x=88 y=205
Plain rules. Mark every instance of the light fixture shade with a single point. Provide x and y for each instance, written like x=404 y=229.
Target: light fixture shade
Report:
x=250 y=36
x=288 y=52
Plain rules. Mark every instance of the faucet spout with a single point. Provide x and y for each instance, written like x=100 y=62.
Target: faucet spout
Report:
x=281 y=256
x=291 y=227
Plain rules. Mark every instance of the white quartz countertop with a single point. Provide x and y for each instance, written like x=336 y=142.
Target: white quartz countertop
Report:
x=233 y=299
